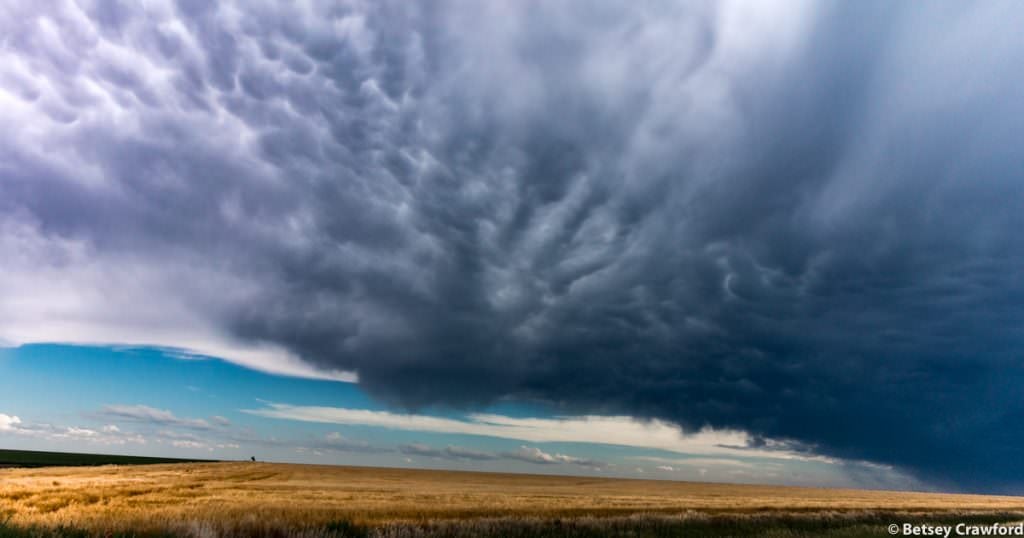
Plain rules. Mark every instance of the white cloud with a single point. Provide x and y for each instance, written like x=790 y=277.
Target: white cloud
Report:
x=707 y=462
x=612 y=430
x=8 y=422
x=78 y=303
x=187 y=444
x=144 y=413
x=108 y=435
x=536 y=455
x=524 y=453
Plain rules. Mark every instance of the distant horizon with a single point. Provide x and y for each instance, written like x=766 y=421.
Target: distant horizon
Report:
x=471 y=471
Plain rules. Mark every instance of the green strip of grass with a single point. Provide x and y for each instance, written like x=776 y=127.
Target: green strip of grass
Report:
x=30 y=458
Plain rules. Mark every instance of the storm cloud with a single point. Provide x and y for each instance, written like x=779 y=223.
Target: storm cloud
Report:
x=798 y=220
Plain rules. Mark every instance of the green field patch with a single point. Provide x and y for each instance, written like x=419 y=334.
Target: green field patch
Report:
x=31 y=458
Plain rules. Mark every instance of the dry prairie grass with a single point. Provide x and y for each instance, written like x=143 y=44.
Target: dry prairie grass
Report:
x=291 y=500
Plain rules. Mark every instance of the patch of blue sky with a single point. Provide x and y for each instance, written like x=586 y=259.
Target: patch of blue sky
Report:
x=61 y=378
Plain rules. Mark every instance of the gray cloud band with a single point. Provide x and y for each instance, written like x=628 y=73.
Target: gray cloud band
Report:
x=797 y=220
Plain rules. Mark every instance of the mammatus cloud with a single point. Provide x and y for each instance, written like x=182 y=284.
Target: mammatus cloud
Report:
x=795 y=220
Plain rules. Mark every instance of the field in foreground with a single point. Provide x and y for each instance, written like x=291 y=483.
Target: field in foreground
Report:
x=259 y=499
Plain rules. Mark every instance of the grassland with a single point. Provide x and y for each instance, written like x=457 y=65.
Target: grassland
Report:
x=276 y=500
x=32 y=458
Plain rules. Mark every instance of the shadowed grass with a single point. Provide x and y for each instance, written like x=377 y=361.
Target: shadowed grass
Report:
x=828 y=525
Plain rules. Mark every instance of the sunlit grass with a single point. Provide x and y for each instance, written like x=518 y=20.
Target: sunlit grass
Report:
x=256 y=499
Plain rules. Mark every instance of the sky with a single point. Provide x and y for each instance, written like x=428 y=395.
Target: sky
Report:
x=779 y=237
x=158 y=402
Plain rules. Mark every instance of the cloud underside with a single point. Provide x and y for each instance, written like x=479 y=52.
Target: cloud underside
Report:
x=720 y=455
x=707 y=447
x=611 y=430
x=524 y=453
x=794 y=220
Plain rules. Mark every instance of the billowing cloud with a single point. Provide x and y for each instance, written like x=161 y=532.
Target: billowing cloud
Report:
x=531 y=454
x=8 y=422
x=793 y=219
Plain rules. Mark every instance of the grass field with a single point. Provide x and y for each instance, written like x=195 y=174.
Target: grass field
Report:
x=31 y=458
x=278 y=500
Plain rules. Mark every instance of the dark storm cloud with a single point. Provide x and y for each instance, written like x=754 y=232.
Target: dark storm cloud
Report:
x=796 y=220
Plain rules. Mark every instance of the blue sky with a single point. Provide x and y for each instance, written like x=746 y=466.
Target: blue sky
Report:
x=150 y=401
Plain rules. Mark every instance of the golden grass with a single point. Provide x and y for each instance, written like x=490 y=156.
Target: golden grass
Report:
x=154 y=497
